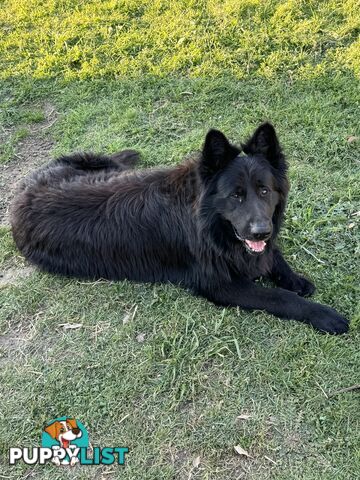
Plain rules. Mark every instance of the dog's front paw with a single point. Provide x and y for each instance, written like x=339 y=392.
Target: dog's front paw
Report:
x=303 y=286
x=300 y=285
x=327 y=319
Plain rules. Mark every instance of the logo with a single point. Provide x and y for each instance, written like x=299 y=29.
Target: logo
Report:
x=65 y=441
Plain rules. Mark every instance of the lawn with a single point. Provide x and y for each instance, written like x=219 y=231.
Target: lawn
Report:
x=177 y=380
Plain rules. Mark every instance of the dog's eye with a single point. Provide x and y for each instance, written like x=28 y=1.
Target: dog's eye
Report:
x=237 y=195
x=264 y=191
x=62 y=430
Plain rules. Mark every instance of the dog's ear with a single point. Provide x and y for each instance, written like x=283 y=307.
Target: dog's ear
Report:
x=53 y=430
x=264 y=142
x=71 y=422
x=216 y=154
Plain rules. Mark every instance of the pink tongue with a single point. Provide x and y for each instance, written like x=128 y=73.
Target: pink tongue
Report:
x=256 y=246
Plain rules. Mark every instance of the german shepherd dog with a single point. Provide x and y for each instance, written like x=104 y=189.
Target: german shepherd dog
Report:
x=209 y=224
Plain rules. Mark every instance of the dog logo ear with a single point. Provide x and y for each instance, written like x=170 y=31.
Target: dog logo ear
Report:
x=52 y=430
x=71 y=422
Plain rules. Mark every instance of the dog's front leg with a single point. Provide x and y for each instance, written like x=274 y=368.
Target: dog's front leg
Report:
x=283 y=276
x=279 y=302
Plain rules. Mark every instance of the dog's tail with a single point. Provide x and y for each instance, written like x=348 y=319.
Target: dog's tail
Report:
x=124 y=160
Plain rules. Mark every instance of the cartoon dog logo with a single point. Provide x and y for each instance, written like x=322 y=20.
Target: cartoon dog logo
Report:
x=64 y=432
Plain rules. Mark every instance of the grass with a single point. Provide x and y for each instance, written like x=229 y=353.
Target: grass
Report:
x=177 y=394
x=87 y=39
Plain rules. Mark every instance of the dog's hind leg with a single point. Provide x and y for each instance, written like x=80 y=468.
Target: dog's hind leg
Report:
x=92 y=162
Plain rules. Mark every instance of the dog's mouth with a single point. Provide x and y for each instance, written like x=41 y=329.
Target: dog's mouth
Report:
x=252 y=246
x=65 y=443
x=255 y=247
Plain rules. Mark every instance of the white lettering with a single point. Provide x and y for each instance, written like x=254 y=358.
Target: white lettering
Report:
x=45 y=454
x=26 y=455
x=15 y=454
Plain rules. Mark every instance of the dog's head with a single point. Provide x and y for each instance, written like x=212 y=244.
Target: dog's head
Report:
x=245 y=188
x=64 y=431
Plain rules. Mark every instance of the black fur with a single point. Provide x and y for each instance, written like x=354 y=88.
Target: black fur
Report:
x=196 y=224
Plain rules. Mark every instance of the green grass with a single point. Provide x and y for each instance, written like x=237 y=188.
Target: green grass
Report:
x=176 y=395
x=84 y=39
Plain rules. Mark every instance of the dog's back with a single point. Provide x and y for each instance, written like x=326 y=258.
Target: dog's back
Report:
x=90 y=216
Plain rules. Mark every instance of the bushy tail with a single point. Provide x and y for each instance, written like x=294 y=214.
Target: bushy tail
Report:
x=124 y=160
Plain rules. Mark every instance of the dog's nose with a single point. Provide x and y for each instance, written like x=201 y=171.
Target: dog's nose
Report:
x=76 y=431
x=260 y=230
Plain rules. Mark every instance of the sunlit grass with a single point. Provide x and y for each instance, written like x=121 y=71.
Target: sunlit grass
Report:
x=132 y=38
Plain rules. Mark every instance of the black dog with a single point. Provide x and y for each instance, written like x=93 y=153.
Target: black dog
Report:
x=209 y=224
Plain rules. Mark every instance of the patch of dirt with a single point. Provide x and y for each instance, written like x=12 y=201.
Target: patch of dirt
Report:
x=13 y=345
x=31 y=152
x=11 y=341
x=13 y=275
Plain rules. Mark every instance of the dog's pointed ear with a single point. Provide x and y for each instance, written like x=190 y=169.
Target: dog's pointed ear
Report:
x=264 y=142
x=216 y=154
